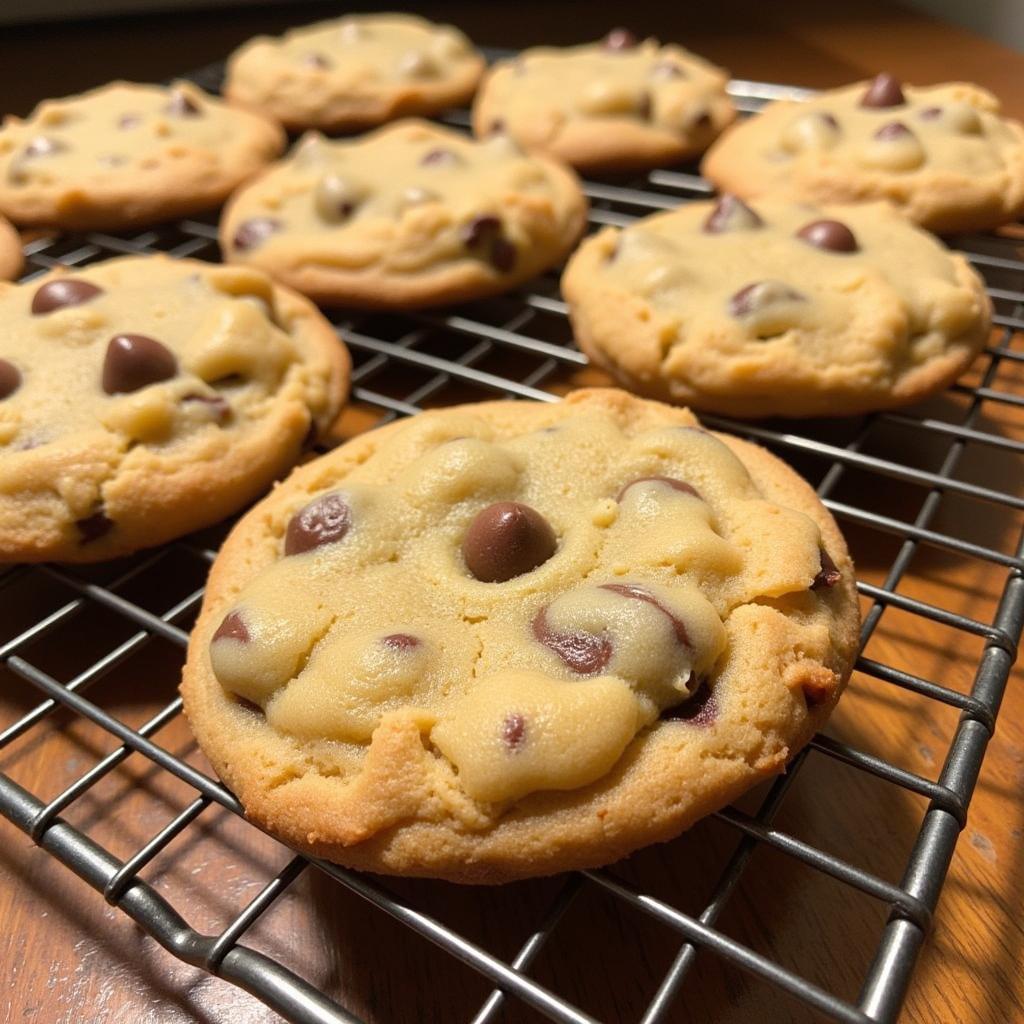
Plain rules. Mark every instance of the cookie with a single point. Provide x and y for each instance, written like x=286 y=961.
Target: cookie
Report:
x=10 y=251
x=145 y=397
x=777 y=308
x=126 y=155
x=436 y=652
x=355 y=72
x=411 y=215
x=610 y=106
x=943 y=154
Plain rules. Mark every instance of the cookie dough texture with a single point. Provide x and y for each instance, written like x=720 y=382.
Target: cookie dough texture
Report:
x=145 y=397
x=355 y=72
x=944 y=154
x=607 y=106
x=777 y=308
x=10 y=251
x=411 y=215
x=372 y=700
x=126 y=155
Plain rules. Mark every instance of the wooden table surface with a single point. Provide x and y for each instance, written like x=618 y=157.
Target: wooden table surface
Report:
x=69 y=958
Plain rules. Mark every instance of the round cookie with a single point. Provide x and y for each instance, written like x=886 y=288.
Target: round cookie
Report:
x=126 y=155
x=145 y=397
x=614 y=105
x=943 y=153
x=11 y=258
x=777 y=309
x=354 y=72
x=410 y=215
x=430 y=653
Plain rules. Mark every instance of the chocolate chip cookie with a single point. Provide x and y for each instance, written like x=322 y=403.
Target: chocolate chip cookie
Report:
x=145 y=397
x=411 y=215
x=943 y=154
x=438 y=651
x=355 y=72
x=125 y=155
x=618 y=104
x=777 y=308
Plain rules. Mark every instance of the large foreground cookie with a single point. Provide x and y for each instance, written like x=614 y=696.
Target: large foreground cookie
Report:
x=943 y=154
x=126 y=155
x=777 y=308
x=145 y=397
x=355 y=72
x=10 y=251
x=514 y=638
x=411 y=215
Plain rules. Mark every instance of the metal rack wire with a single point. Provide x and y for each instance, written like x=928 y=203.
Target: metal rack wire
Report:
x=520 y=346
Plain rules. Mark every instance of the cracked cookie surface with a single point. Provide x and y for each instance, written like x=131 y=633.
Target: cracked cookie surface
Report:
x=777 y=308
x=411 y=215
x=127 y=154
x=355 y=72
x=145 y=397
x=944 y=154
x=617 y=104
x=436 y=652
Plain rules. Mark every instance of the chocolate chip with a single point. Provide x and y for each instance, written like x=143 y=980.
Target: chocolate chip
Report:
x=497 y=126
x=315 y=60
x=677 y=485
x=893 y=130
x=832 y=235
x=513 y=731
x=10 y=379
x=323 y=521
x=585 y=653
x=828 y=575
x=930 y=113
x=884 y=91
x=756 y=296
x=232 y=628
x=135 y=361
x=440 y=156
x=485 y=233
x=665 y=70
x=335 y=198
x=731 y=214
x=42 y=145
x=93 y=527
x=218 y=407
x=182 y=105
x=61 y=293
x=701 y=123
x=252 y=232
x=700 y=709
x=619 y=39
x=637 y=593
x=400 y=641
x=506 y=540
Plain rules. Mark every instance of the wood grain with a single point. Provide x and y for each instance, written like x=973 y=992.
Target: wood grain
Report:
x=69 y=958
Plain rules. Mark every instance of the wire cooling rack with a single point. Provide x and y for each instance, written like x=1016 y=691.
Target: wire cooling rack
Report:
x=520 y=346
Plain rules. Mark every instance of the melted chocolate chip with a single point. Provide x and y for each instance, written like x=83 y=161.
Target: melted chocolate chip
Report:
x=506 y=540
x=219 y=407
x=884 y=91
x=760 y=294
x=677 y=485
x=700 y=709
x=485 y=233
x=440 y=156
x=513 y=731
x=400 y=641
x=323 y=521
x=731 y=214
x=828 y=575
x=232 y=628
x=892 y=130
x=584 y=653
x=636 y=593
x=61 y=293
x=182 y=105
x=619 y=39
x=10 y=379
x=93 y=527
x=135 y=361
x=254 y=231
x=832 y=235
